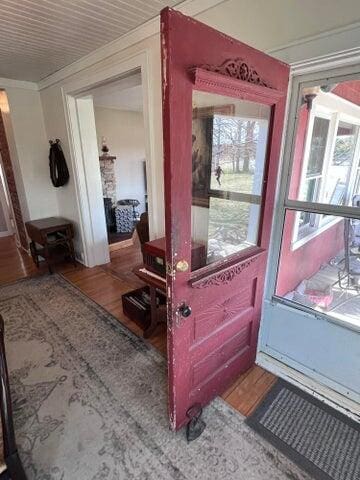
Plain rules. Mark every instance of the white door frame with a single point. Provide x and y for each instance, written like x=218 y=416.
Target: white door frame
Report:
x=339 y=64
x=89 y=196
x=5 y=203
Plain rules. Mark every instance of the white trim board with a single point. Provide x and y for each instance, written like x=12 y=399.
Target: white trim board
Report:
x=95 y=247
x=10 y=83
x=340 y=40
x=146 y=30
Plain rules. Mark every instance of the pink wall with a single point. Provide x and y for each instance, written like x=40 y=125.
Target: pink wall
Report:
x=349 y=90
x=305 y=261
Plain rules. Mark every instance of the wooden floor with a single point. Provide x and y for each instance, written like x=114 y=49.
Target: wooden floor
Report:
x=105 y=284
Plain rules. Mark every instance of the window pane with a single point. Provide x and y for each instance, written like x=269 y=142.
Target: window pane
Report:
x=318 y=146
x=229 y=138
x=322 y=272
x=311 y=189
x=357 y=183
x=337 y=176
x=325 y=157
x=237 y=143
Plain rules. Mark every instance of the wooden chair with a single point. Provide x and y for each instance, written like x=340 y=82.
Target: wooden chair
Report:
x=142 y=228
x=14 y=469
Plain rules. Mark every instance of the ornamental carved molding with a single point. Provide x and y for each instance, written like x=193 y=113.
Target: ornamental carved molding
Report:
x=224 y=277
x=239 y=69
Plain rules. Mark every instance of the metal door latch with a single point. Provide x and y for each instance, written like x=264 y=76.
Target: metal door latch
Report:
x=196 y=425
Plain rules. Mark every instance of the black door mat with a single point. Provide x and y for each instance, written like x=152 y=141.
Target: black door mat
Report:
x=318 y=438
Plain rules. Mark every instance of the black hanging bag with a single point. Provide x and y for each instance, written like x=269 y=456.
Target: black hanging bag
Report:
x=59 y=172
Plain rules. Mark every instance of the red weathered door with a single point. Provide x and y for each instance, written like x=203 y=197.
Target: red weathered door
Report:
x=223 y=111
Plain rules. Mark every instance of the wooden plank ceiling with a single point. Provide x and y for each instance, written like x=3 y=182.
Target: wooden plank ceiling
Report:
x=39 y=37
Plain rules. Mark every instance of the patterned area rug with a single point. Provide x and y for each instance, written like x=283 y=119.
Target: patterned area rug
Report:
x=90 y=399
x=317 y=437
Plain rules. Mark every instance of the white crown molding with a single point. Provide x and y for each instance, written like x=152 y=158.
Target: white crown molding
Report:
x=9 y=82
x=320 y=46
x=146 y=30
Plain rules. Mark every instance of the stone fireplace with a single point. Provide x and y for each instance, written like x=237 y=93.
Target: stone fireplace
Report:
x=108 y=179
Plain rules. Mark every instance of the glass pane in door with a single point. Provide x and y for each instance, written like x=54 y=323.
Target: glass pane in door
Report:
x=322 y=271
x=229 y=141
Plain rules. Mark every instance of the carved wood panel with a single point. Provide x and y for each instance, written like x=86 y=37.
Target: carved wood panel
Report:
x=219 y=313
x=239 y=69
x=229 y=351
x=224 y=276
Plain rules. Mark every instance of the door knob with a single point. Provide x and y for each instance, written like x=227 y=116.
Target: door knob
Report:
x=185 y=310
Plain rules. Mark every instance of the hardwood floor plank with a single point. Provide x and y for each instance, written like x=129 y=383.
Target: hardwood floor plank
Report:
x=250 y=390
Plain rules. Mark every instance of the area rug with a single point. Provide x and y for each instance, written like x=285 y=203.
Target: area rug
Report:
x=90 y=399
x=317 y=437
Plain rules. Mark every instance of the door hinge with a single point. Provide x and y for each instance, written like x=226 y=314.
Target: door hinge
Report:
x=196 y=425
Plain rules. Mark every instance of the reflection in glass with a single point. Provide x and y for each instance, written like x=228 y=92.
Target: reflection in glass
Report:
x=229 y=140
x=338 y=172
x=323 y=271
x=317 y=146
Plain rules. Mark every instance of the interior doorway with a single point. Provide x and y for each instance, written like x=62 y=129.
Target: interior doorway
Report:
x=6 y=228
x=86 y=145
x=112 y=137
x=119 y=122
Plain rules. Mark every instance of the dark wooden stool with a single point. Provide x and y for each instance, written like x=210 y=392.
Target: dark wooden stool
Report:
x=52 y=239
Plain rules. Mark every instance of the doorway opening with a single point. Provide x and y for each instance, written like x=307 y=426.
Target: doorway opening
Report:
x=113 y=144
x=119 y=123
x=6 y=228
x=326 y=170
x=314 y=281
x=11 y=216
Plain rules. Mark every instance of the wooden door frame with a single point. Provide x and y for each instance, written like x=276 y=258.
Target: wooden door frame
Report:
x=9 y=178
x=93 y=233
x=4 y=205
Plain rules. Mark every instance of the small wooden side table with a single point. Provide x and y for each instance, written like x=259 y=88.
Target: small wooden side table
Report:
x=155 y=283
x=52 y=239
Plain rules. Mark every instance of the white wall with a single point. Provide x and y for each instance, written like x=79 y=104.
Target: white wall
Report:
x=55 y=124
x=125 y=137
x=268 y=25
x=54 y=115
x=29 y=152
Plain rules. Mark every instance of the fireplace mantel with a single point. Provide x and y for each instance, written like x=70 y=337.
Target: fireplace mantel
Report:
x=103 y=158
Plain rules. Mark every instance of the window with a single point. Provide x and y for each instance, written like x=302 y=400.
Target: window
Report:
x=310 y=191
x=229 y=140
x=336 y=189
x=319 y=262
x=357 y=181
x=330 y=171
